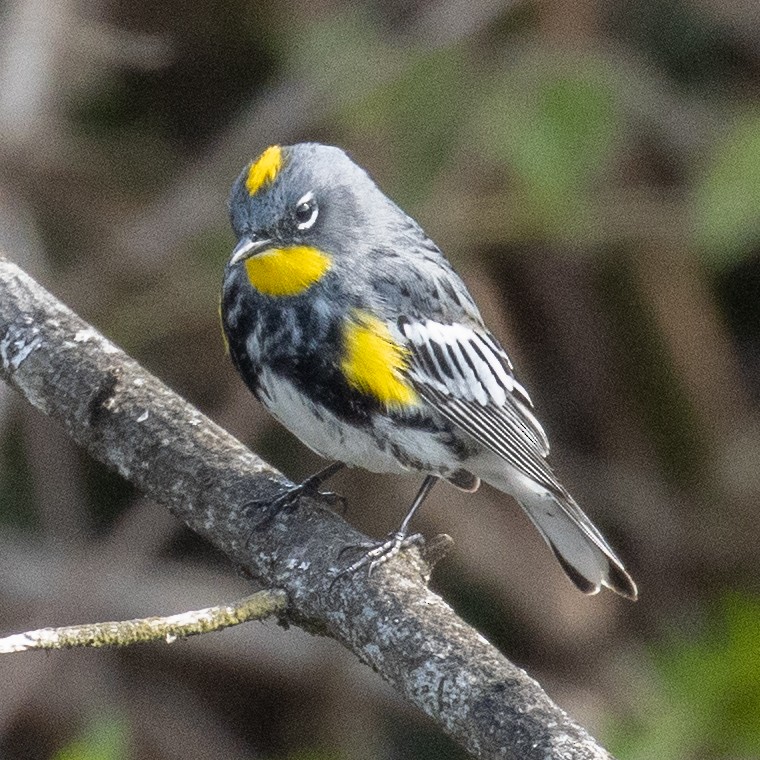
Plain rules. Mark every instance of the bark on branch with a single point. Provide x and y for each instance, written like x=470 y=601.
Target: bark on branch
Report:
x=131 y=421
x=120 y=633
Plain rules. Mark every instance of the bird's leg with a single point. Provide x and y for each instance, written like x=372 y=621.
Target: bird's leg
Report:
x=379 y=553
x=289 y=498
x=312 y=484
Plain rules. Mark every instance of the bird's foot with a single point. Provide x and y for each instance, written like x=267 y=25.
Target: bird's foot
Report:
x=310 y=487
x=376 y=554
x=269 y=509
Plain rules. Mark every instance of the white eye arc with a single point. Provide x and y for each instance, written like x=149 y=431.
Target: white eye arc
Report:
x=306 y=211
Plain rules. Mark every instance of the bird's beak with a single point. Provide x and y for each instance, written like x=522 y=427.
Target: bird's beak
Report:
x=247 y=247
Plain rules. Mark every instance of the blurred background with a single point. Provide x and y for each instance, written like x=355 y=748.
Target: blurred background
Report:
x=593 y=171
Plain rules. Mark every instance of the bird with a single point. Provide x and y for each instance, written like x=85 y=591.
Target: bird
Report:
x=350 y=326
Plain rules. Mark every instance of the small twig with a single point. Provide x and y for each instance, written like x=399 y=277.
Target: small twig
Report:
x=127 y=632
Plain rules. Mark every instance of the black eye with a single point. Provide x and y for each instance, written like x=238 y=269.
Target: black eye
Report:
x=306 y=212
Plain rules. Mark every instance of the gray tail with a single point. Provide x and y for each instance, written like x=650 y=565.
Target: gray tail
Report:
x=580 y=548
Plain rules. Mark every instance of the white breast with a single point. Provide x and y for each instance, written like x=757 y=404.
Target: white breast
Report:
x=321 y=430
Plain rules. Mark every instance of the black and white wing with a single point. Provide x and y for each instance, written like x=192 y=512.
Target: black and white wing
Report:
x=468 y=378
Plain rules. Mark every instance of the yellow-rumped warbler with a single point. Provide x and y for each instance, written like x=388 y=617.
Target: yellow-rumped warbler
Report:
x=350 y=326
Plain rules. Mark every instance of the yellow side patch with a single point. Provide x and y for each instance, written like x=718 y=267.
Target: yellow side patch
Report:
x=264 y=169
x=287 y=271
x=373 y=362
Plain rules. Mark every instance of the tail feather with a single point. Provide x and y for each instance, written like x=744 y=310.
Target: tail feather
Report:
x=580 y=548
x=580 y=581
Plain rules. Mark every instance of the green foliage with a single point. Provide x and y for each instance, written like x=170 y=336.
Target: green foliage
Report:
x=707 y=697
x=105 y=739
x=553 y=124
x=423 y=111
x=343 y=47
x=727 y=196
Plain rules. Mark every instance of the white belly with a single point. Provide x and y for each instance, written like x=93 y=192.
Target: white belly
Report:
x=322 y=432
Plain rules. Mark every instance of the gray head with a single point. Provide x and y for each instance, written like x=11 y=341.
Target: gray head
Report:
x=312 y=195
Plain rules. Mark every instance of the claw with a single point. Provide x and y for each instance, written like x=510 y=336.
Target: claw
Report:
x=271 y=508
x=377 y=554
x=288 y=500
x=357 y=547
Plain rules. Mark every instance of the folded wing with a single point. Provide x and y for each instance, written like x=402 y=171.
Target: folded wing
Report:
x=468 y=378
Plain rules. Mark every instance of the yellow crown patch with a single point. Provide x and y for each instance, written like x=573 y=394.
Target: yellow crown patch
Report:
x=264 y=169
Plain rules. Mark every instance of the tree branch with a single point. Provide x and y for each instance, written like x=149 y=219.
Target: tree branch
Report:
x=131 y=421
x=258 y=606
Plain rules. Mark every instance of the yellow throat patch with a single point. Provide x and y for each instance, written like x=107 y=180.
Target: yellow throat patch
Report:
x=264 y=169
x=287 y=271
x=373 y=362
